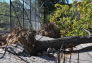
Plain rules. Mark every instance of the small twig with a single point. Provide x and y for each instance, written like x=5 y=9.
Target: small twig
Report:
x=5 y=50
x=17 y=56
x=78 y=57
x=60 y=53
x=70 y=56
x=89 y=33
x=64 y=58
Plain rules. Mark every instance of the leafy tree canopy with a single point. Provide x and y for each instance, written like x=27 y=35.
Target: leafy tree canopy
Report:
x=71 y=19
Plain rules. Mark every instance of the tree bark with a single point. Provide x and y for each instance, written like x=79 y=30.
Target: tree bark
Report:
x=33 y=45
x=66 y=42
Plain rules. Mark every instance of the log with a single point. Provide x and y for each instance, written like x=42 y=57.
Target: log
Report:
x=46 y=42
x=67 y=42
x=33 y=45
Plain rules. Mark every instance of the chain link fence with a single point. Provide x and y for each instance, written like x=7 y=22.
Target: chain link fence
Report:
x=20 y=13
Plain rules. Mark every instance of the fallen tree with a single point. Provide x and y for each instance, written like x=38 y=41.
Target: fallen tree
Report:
x=32 y=45
x=66 y=42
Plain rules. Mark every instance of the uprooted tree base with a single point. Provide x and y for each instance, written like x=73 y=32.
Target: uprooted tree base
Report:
x=33 y=46
x=50 y=30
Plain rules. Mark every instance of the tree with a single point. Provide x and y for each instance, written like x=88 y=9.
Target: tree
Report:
x=4 y=16
x=48 y=7
x=16 y=14
x=4 y=10
x=71 y=19
x=33 y=46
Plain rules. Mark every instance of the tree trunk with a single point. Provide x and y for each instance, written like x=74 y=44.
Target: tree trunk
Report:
x=34 y=45
x=66 y=42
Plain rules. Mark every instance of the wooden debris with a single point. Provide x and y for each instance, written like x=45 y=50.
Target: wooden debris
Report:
x=3 y=39
x=50 y=30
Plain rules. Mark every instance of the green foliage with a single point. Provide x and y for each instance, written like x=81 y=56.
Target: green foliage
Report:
x=71 y=19
x=16 y=14
x=4 y=10
x=48 y=7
